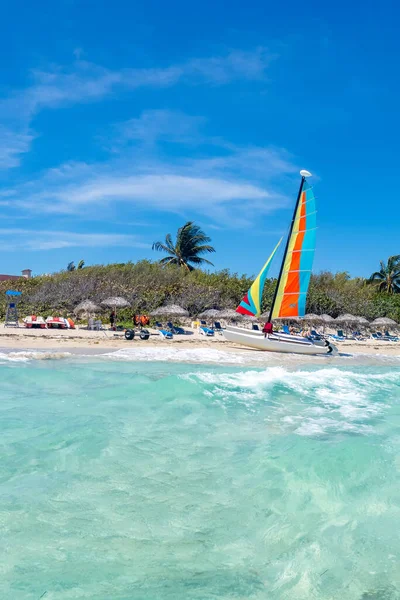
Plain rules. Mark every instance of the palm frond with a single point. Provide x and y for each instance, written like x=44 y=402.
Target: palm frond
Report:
x=202 y=249
x=191 y=241
x=171 y=260
x=160 y=247
x=376 y=276
x=169 y=243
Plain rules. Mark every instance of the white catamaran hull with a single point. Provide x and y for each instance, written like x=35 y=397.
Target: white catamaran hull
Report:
x=277 y=342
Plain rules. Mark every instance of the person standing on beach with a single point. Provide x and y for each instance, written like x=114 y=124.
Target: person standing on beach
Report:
x=268 y=329
x=112 y=320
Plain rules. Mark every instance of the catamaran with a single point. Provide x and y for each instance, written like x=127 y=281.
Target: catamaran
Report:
x=290 y=294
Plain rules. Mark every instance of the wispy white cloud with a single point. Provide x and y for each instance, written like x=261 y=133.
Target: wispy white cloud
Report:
x=12 y=146
x=160 y=125
x=85 y=81
x=238 y=64
x=233 y=188
x=26 y=239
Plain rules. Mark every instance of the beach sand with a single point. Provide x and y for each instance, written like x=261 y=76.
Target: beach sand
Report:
x=104 y=341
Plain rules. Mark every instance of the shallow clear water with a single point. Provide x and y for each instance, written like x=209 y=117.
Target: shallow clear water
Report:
x=127 y=480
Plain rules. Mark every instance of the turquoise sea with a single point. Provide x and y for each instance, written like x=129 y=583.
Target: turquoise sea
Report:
x=127 y=478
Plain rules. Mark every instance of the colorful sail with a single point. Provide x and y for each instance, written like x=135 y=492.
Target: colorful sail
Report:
x=293 y=285
x=251 y=303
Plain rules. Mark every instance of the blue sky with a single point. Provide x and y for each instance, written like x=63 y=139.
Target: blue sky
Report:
x=120 y=121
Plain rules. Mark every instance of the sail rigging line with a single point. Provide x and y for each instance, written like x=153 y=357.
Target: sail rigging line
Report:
x=286 y=248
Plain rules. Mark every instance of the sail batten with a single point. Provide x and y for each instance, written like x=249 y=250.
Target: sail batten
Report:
x=290 y=298
x=251 y=303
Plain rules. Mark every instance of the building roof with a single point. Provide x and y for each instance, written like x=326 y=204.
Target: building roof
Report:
x=8 y=277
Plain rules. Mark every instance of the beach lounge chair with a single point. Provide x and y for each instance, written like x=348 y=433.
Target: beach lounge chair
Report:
x=175 y=328
x=217 y=327
x=203 y=330
x=382 y=337
x=385 y=338
x=392 y=338
x=285 y=329
x=166 y=335
x=255 y=327
x=376 y=337
x=315 y=335
x=339 y=337
x=356 y=335
x=159 y=325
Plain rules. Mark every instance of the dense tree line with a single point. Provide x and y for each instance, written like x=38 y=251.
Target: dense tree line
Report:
x=147 y=285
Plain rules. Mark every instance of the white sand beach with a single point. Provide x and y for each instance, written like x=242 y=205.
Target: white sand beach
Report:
x=63 y=340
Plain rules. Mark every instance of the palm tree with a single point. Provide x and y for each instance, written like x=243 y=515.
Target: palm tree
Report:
x=81 y=264
x=190 y=243
x=71 y=266
x=388 y=278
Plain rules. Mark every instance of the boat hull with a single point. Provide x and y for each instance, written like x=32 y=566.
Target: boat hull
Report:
x=277 y=342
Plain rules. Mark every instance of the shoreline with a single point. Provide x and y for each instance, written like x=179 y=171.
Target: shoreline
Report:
x=185 y=348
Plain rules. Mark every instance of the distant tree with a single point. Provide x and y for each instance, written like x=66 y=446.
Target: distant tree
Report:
x=388 y=277
x=81 y=264
x=71 y=266
x=190 y=243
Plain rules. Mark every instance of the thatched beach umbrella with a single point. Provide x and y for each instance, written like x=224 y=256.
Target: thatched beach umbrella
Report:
x=87 y=306
x=230 y=313
x=211 y=313
x=347 y=318
x=311 y=318
x=385 y=321
x=363 y=321
x=116 y=302
x=170 y=310
x=326 y=318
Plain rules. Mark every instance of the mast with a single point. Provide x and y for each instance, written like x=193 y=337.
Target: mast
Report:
x=303 y=178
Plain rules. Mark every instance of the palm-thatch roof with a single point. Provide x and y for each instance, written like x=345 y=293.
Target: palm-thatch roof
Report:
x=347 y=318
x=230 y=313
x=311 y=318
x=212 y=313
x=363 y=321
x=384 y=321
x=170 y=310
x=87 y=306
x=116 y=302
x=326 y=318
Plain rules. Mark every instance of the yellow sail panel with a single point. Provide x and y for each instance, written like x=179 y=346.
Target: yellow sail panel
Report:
x=292 y=291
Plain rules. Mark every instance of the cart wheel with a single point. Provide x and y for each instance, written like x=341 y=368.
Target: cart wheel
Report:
x=129 y=334
x=144 y=334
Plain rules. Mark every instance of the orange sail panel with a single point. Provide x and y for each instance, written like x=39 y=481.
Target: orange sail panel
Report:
x=292 y=291
x=251 y=303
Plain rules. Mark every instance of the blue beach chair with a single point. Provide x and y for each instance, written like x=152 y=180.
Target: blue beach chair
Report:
x=166 y=335
x=175 y=328
x=203 y=330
